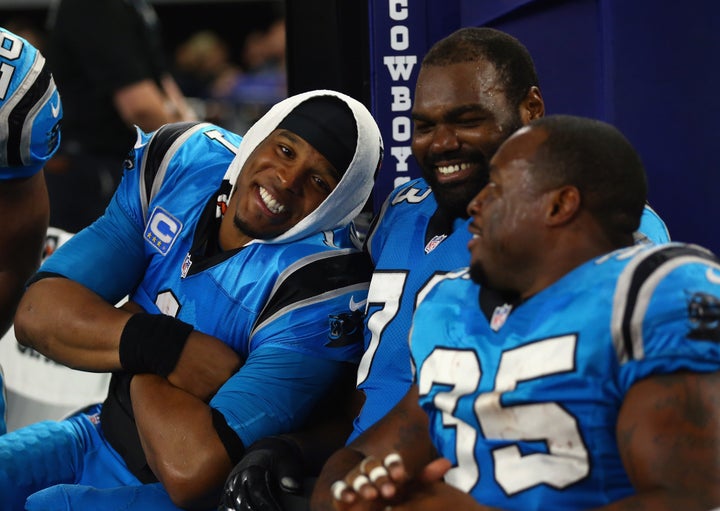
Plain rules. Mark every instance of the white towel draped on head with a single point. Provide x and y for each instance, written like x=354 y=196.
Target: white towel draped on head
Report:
x=352 y=192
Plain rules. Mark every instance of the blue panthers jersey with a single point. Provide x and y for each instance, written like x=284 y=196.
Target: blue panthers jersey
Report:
x=525 y=401
x=159 y=235
x=410 y=245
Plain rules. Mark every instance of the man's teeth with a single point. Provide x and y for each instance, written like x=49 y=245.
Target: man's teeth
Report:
x=451 y=169
x=270 y=202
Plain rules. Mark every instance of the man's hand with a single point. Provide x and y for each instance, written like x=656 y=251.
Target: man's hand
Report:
x=404 y=432
x=380 y=484
x=372 y=480
x=270 y=467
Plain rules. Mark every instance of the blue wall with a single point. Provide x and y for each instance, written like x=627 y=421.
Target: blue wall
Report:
x=646 y=66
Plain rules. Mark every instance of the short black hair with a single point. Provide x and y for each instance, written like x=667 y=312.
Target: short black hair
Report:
x=511 y=58
x=598 y=159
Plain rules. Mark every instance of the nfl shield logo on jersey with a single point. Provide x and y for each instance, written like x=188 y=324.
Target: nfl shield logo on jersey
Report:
x=187 y=263
x=499 y=316
x=434 y=242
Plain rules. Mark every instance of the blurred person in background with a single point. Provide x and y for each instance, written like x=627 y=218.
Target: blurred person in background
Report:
x=234 y=91
x=113 y=74
x=263 y=58
x=203 y=65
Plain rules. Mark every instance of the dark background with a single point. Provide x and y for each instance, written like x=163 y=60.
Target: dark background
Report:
x=232 y=20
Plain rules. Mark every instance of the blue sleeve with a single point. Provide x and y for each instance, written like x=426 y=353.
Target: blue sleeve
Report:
x=108 y=256
x=274 y=392
x=677 y=327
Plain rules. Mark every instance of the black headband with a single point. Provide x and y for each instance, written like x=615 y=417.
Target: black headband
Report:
x=327 y=124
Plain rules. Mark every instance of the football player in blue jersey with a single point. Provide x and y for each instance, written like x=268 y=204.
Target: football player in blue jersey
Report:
x=475 y=87
x=568 y=368
x=30 y=114
x=241 y=263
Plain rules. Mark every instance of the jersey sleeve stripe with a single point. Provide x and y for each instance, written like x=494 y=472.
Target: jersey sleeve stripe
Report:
x=41 y=86
x=635 y=289
x=161 y=148
x=316 y=278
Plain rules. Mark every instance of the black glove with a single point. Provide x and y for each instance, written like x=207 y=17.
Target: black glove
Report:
x=270 y=467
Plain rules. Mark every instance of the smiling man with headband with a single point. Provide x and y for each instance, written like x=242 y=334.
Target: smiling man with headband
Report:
x=241 y=262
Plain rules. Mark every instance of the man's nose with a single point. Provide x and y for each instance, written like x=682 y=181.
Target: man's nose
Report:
x=291 y=178
x=475 y=205
x=444 y=139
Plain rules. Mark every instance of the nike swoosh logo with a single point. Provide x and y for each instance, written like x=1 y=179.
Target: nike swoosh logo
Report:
x=713 y=277
x=55 y=108
x=356 y=305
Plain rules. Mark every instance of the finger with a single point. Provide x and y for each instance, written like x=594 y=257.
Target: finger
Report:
x=341 y=492
x=396 y=468
x=356 y=485
x=377 y=474
x=380 y=477
x=435 y=470
x=361 y=484
x=349 y=490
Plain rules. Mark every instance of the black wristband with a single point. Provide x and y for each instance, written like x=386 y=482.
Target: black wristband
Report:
x=231 y=441
x=152 y=343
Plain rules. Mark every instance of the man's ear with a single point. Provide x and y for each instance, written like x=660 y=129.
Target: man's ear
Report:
x=563 y=205
x=533 y=106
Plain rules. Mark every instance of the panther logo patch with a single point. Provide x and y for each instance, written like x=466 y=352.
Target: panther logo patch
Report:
x=345 y=329
x=704 y=316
